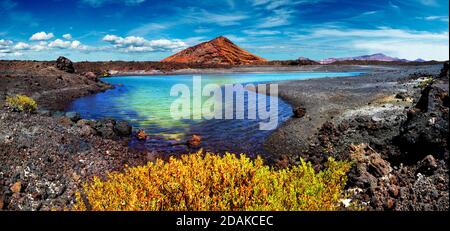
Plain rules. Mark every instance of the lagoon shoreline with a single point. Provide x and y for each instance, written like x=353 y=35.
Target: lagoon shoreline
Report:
x=31 y=139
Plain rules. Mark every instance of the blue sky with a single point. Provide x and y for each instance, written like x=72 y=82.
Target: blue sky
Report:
x=280 y=29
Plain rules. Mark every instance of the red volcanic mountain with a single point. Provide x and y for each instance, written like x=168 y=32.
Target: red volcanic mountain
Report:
x=217 y=51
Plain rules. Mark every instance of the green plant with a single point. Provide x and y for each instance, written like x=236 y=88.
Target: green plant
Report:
x=425 y=82
x=211 y=182
x=21 y=103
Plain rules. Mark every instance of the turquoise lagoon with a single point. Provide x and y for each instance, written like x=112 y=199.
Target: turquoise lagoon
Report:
x=145 y=102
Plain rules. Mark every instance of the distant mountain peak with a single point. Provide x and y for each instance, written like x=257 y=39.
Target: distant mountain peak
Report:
x=419 y=60
x=219 y=50
x=373 y=57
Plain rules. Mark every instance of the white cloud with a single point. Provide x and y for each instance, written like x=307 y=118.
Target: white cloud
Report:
x=22 y=46
x=41 y=36
x=39 y=47
x=164 y=44
x=274 y=4
x=381 y=32
x=261 y=32
x=196 y=15
x=67 y=36
x=406 y=49
x=14 y=50
x=5 y=51
x=127 y=41
x=148 y=28
x=405 y=44
x=223 y=19
x=98 y=3
x=58 y=43
x=281 y=17
x=369 y=12
x=392 y=5
x=9 y=48
x=436 y=18
x=75 y=44
x=429 y=2
x=61 y=44
x=4 y=42
x=111 y=38
x=195 y=40
x=140 y=44
x=202 y=30
x=5 y=45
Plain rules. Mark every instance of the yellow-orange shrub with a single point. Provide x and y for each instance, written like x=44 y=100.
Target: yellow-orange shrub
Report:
x=212 y=182
x=21 y=103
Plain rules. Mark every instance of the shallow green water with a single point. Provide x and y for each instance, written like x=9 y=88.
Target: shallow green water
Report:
x=145 y=102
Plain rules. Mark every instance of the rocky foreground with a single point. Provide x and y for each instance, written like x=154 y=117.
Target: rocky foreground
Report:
x=392 y=123
x=44 y=156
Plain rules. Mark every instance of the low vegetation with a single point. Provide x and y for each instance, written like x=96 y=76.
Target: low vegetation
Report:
x=427 y=81
x=212 y=182
x=21 y=103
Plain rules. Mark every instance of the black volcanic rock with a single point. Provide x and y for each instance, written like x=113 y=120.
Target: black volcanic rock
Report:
x=444 y=71
x=122 y=128
x=299 y=112
x=65 y=64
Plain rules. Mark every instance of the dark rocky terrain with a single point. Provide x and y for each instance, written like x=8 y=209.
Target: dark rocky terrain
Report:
x=44 y=156
x=392 y=126
x=51 y=84
x=147 y=67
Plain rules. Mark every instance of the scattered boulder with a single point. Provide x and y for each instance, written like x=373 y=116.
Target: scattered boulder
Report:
x=105 y=128
x=400 y=95
x=194 y=141
x=91 y=75
x=299 y=112
x=444 y=71
x=58 y=113
x=426 y=128
x=141 y=135
x=423 y=103
x=122 y=128
x=87 y=130
x=65 y=121
x=65 y=64
x=16 y=187
x=428 y=165
x=74 y=116
x=282 y=161
x=368 y=162
x=83 y=122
